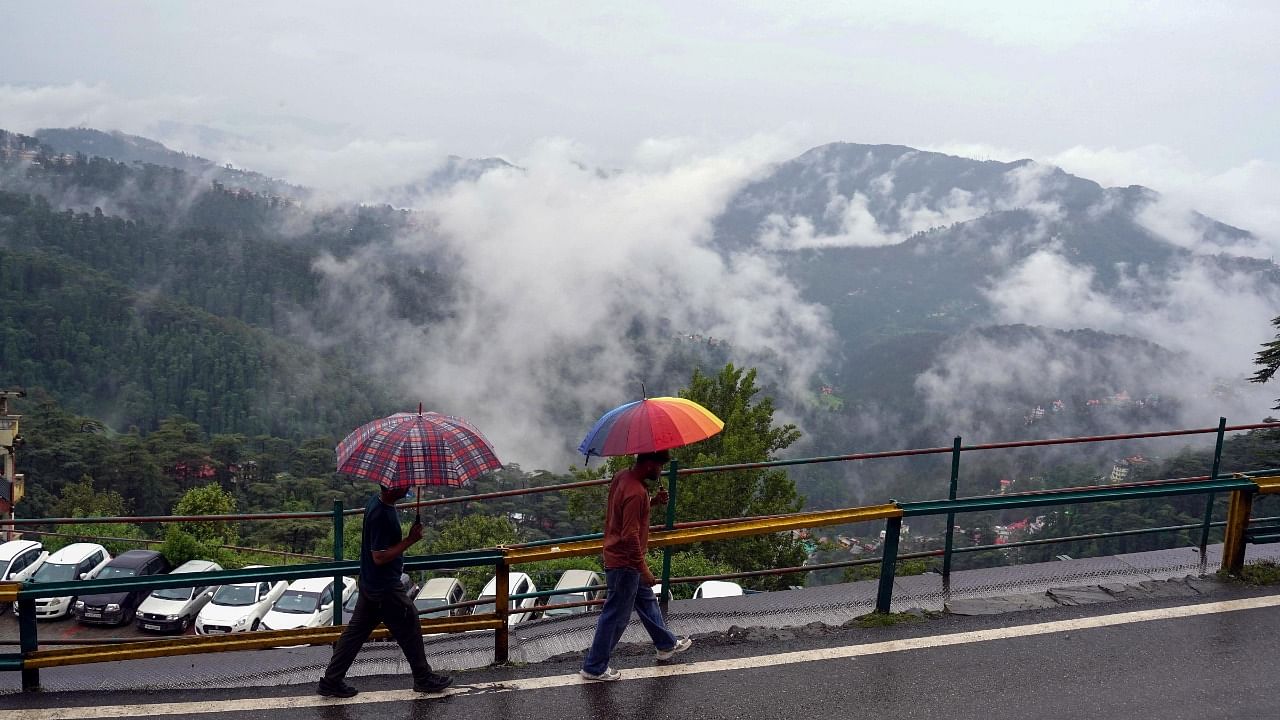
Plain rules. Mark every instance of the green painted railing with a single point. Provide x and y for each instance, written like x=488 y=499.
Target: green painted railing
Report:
x=1237 y=484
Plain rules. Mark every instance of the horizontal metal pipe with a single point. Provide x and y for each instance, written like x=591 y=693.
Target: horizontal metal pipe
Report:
x=966 y=448
x=146 y=541
x=249 y=517
x=496 y=494
x=167 y=519
x=82 y=641
x=1090 y=536
x=1101 y=493
x=803 y=568
x=659 y=526
x=225 y=577
x=549 y=593
x=580 y=603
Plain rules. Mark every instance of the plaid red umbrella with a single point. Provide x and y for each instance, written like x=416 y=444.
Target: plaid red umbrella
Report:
x=410 y=449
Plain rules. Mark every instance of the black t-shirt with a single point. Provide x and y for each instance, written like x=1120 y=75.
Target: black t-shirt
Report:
x=381 y=531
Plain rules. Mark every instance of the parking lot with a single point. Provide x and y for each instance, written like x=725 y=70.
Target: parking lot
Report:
x=66 y=629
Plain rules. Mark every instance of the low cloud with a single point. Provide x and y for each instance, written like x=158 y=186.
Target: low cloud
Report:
x=878 y=217
x=29 y=108
x=1207 y=320
x=1245 y=195
x=557 y=271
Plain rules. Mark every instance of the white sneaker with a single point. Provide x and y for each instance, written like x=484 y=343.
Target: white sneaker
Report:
x=609 y=675
x=681 y=645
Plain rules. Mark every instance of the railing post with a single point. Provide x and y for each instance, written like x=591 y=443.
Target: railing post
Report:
x=884 y=596
x=673 y=470
x=1233 y=539
x=338 y=585
x=1213 y=475
x=951 y=517
x=502 y=636
x=29 y=642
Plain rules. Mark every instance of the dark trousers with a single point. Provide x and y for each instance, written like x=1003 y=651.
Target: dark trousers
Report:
x=392 y=608
x=626 y=593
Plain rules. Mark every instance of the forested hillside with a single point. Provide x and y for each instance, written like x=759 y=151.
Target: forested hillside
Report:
x=182 y=305
x=141 y=292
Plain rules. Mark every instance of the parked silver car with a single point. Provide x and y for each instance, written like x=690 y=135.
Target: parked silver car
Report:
x=174 y=609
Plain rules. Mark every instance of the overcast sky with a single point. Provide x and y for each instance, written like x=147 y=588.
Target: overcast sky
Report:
x=1183 y=97
x=483 y=78
x=694 y=99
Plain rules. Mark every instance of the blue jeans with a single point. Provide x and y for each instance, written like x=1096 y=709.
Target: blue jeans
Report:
x=625 y=593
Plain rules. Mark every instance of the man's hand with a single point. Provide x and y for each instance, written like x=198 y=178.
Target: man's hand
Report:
x=415 y=531
x=660 y=498
x=646 y=576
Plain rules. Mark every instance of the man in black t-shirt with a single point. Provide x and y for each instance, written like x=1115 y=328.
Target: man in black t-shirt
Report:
x=382 y=599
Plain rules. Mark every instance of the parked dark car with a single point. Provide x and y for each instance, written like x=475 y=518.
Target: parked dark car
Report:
x=116 y=608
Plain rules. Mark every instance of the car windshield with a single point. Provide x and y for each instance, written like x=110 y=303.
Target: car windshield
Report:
x=236 y=595
x=351 y=602
x=566 y=598
x=116 y=572
x=297 y=602
x=484 y=607
x=173 y=594
x=427 y=603
x=4 y=569
x=55 y=572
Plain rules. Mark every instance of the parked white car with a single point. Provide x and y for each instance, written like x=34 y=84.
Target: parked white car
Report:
x=175 y=609
x=77 y=561
x=519 y=584
x=717 y=589
x=439 y=592
x=307 y=602
x=576 y=579
x=239 y=607
x=19 y=560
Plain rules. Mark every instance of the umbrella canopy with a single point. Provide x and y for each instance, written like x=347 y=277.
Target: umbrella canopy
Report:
x=409 y=449
x=650 y=425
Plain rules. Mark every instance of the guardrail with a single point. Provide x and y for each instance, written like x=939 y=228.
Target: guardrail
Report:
x=1242 y=486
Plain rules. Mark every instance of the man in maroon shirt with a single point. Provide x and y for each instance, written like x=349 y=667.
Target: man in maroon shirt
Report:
x=626 y=540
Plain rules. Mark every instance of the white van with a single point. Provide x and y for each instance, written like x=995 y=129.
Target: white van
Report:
x=174 y=609
x=77 y=561
x=438 y=592
x=717 y=589
x=575 y=579
x=518 y=584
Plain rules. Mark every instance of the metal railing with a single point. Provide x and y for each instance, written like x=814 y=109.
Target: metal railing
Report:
x=1242 y=486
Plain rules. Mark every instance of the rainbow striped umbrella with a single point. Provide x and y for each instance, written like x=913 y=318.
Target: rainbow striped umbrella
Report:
x=650 y=425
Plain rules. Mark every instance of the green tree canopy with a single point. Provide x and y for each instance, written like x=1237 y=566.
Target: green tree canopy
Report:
x=1269 y=358
x=208 y=500
x=749 y=436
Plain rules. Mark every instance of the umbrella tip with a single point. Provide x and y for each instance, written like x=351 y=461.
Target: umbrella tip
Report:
x=419 y=408
x=643 y=395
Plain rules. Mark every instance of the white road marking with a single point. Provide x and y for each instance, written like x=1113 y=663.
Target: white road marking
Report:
x=657 y=671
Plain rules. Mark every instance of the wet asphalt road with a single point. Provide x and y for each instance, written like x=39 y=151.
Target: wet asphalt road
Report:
x=1209 y=666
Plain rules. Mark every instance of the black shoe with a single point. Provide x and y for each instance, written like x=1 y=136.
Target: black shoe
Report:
x=433 y=684
x=340 y=690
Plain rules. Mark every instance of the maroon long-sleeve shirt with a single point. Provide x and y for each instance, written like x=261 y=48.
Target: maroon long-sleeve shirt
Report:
x=626 y=522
